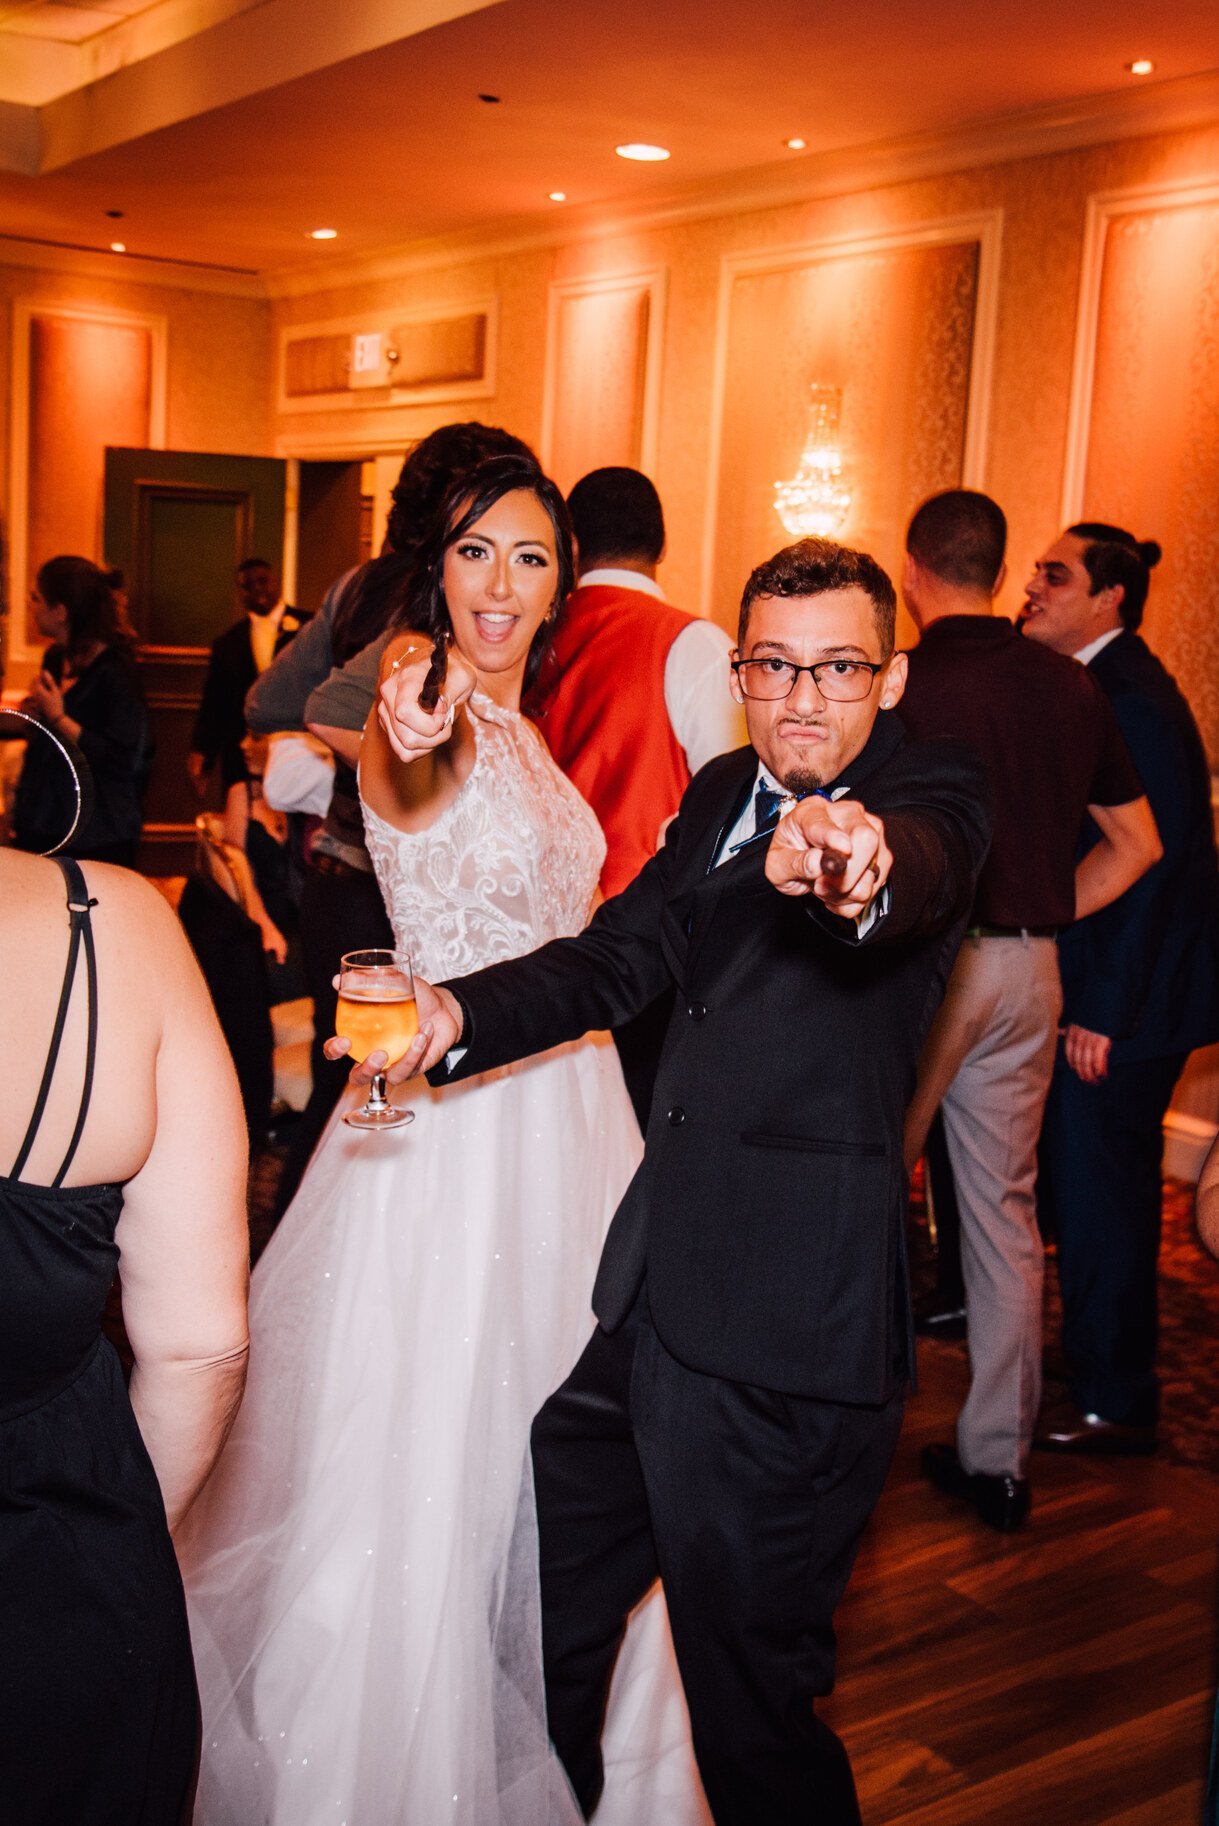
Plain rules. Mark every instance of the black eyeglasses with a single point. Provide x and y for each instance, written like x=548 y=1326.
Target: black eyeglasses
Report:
x=841 y=681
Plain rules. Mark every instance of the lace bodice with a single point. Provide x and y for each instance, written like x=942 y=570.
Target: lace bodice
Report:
x=511 y=863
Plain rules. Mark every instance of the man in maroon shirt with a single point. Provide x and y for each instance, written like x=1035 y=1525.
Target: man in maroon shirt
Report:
x=1053 y=750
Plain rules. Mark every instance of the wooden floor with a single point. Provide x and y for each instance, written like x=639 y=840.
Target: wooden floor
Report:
x=1063 y=1676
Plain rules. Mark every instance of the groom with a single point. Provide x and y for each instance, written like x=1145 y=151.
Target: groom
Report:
x=730 y=1425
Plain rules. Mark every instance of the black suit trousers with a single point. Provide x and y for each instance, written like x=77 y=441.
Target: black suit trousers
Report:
x=750 y=1506
x=1099 y=1190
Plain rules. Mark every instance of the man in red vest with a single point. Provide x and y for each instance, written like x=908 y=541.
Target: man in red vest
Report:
x=639 y=702
x=641 y=699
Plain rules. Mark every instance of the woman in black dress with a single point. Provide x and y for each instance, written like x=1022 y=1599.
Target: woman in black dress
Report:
x=89 y=692
x=128 y=1144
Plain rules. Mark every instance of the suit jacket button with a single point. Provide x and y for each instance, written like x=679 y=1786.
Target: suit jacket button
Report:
x=697 y=1011
x=677 y=1115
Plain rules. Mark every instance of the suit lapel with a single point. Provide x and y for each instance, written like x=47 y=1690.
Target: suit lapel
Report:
x=710 y=882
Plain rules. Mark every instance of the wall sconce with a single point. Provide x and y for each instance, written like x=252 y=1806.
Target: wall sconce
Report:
x=814 y=502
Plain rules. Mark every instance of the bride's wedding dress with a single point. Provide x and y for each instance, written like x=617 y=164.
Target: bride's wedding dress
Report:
x=361 y=1568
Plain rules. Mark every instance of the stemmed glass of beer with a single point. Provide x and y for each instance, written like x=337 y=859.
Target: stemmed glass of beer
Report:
x=377 y=1013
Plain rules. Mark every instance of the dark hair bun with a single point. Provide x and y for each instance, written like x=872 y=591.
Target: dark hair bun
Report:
x=114 y=579
x=1150 y=552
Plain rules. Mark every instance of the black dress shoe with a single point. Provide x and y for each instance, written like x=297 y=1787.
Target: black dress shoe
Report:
x=1066 y=1429
x=1003 y=1503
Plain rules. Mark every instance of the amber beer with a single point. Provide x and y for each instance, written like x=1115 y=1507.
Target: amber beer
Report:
x=376 y=1019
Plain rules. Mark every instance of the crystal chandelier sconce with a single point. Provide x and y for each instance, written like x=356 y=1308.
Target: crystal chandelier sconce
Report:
x=814 y=502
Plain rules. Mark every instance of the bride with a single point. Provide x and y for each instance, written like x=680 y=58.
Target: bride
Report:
x=361 y=1569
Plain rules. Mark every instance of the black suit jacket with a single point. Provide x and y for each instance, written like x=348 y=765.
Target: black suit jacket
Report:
x=768 y=1211
x=1145 y=970
x=220 y=724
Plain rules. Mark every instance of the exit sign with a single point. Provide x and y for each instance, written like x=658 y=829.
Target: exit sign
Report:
x=368 y=360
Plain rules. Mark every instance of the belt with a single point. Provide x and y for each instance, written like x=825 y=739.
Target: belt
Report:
x=326 y=864
x=1011 y=932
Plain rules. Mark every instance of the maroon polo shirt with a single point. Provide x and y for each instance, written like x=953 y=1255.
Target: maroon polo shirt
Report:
x=1051 y=745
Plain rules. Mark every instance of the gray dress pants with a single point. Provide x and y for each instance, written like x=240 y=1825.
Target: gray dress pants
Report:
x=987 y=1064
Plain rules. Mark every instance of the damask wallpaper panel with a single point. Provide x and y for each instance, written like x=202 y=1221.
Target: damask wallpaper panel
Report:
x=894 y=330
x=1153 y=442
x=597 y=380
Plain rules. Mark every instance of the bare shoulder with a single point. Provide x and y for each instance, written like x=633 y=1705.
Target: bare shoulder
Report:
x=136 y=925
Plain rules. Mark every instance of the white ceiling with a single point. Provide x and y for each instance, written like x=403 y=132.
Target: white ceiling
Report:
x=229 y=128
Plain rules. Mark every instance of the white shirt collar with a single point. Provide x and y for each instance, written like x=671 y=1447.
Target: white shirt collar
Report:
x=623 y=580
x=1087 y=654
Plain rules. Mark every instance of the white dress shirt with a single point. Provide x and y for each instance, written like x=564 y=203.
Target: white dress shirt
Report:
x=702 y=712
x=1087 y=654
x=264 y=632
x=299 y=775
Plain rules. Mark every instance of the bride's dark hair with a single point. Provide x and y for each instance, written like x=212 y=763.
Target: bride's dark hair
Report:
x=468 y=498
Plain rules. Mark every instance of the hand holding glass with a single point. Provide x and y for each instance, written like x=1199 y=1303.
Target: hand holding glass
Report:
x=376 y=1013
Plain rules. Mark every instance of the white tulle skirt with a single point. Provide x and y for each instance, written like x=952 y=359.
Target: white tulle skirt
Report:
x=361 y=1570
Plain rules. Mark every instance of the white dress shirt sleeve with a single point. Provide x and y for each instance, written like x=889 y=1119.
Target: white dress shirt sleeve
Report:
x=705 y=718
x=298 y=777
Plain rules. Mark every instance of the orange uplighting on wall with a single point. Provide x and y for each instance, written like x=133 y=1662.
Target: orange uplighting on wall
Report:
x=90 y=386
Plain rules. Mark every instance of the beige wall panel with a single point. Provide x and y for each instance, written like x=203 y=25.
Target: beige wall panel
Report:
x=1044 y=203
x=1153 y=444
x=218 y=384
x=521 y=282
x=90 y=385
x=599 y=374
x=893 y=329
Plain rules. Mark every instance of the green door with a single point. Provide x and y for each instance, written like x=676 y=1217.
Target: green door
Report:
x=178 y=523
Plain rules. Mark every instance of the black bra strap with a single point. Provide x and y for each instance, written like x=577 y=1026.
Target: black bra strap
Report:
x=78 y=913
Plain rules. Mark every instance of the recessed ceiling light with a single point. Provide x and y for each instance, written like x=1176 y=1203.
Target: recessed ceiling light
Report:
x=557 y=196
x=1142 y=66
x=795 y=145
x=642 y=153
x=491 y=100
x=115 y=215
x=323 y=234
x=118 y=247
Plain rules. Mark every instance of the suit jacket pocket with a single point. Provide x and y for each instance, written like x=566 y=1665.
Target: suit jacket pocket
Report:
x=808 y=1144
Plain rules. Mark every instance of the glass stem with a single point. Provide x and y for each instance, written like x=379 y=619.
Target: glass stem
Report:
x=377 y=1099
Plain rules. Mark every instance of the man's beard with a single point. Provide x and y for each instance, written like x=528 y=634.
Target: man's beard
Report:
x=801 y=780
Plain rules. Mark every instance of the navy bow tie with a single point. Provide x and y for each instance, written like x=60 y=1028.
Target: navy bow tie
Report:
x=766 y=803
x=766 y=808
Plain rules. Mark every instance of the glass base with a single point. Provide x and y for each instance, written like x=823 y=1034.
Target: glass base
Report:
x=378 y=1116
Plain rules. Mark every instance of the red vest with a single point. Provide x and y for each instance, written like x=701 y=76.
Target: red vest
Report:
x=605 y=719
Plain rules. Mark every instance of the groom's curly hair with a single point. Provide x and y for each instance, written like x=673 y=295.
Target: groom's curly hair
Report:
x=466 y=500
x=815 y=567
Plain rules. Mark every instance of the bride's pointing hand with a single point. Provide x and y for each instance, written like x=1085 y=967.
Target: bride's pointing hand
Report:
x=410 y=730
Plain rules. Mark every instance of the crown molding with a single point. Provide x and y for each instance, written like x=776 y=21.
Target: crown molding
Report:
x=129 y=269
x=1132 y=113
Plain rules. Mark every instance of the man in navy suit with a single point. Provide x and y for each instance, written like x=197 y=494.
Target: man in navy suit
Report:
x=1141 y=990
